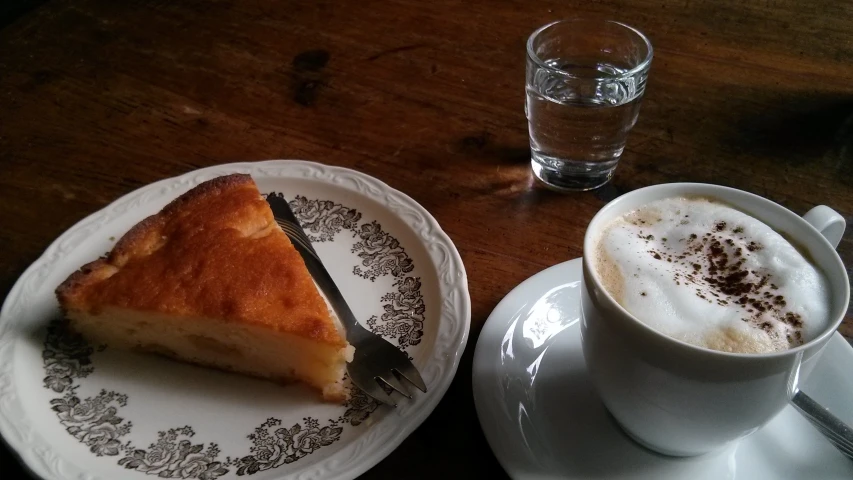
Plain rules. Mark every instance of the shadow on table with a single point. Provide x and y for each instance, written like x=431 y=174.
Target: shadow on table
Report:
x=13 y=9
x=503 y=170
x=814 y=130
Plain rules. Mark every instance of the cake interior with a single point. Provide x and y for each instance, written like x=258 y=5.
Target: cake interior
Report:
x=237 y=347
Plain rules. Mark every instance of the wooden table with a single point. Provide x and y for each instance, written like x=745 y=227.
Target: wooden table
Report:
x=98 y=98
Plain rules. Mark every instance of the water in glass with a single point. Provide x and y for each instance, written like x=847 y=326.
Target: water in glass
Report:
x=579 y=122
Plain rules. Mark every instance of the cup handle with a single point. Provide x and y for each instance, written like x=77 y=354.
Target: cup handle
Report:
x=828 y=222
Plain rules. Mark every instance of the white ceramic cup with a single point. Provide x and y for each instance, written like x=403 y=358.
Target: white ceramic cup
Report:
x=680 y=399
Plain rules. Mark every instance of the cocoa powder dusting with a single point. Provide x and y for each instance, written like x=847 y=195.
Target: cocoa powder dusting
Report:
x=720 y=276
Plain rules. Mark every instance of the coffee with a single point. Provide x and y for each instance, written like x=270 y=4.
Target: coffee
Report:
x=705 y=273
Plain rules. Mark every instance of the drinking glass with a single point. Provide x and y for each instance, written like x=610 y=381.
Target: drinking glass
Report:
x=585 y=79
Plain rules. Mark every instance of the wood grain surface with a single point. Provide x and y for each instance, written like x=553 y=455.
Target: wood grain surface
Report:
x=98 y=98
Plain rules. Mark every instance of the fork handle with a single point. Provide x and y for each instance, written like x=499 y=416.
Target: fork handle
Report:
x=835 y=430
x=288 y=222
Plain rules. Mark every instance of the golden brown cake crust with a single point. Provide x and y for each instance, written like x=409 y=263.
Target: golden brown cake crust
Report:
x=213 y=252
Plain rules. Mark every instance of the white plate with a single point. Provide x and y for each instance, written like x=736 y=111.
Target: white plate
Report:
x=543 y=419
x=75 y=412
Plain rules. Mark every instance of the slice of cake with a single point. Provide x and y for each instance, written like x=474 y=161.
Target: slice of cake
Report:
x=213 y=280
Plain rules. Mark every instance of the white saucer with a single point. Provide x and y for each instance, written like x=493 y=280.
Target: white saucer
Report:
x=543 y=419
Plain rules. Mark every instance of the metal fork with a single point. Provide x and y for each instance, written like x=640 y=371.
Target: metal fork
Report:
x=375 y=361
x=833 y=428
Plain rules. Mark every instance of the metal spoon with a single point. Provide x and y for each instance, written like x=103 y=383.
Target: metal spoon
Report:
x=836 y=431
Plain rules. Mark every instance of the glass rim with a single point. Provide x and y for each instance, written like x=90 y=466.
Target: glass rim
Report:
x=643 y=65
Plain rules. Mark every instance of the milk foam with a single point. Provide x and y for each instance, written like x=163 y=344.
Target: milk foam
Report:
x=702 y=272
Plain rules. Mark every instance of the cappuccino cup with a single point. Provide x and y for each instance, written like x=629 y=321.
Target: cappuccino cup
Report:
x=697 y=304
